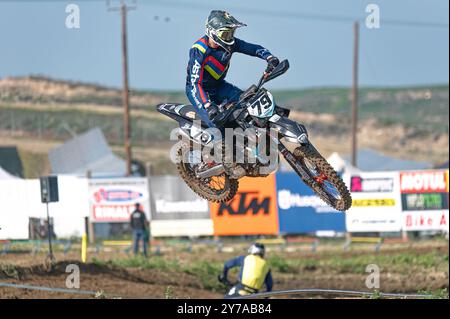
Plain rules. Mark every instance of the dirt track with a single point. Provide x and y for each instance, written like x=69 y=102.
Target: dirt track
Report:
x=116 y=281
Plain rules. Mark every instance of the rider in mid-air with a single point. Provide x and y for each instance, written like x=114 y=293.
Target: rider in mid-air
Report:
x=209 y=60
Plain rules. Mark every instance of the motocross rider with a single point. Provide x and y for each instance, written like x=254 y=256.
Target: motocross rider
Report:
x=254 y=272
x=209 y=60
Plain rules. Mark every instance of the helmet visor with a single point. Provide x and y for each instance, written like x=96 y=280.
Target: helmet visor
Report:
x=226 y=35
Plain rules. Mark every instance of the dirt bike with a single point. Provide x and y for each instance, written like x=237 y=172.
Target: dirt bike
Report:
x=257 y=111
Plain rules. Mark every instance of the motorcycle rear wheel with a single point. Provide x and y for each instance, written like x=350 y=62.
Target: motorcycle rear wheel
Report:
x=217 y=189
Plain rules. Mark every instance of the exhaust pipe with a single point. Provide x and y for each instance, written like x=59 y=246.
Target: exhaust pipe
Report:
x=213 y=171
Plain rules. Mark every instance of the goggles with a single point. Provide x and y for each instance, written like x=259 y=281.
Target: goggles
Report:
x=226 y=34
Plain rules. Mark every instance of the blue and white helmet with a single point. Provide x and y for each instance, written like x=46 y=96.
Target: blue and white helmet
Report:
x=220 y=27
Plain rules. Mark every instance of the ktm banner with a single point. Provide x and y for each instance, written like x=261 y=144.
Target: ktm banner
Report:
x=253 y=211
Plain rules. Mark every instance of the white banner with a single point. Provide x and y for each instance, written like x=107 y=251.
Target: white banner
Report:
x=182 y=227
x=114 y=199
x=424 y=200
x=174 y=200
x=376 y=205
x=425 y=220
x=20 y=199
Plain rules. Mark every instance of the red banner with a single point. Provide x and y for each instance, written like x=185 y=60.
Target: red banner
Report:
x=423 y=182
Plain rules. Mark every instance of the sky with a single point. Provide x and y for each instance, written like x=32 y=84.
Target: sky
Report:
x=411 y=47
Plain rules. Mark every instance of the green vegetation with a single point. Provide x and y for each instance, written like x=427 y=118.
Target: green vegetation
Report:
x=168 y=294
x=100 y=295
x=156 y=262
x=59 y=124
x=29 y=114
x=437 y=294
x=424 y=108
x=10 y=271
x=401 y=263
x=205 y=271
x=376 y=295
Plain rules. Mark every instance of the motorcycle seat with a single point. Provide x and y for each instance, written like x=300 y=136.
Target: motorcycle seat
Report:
x=189 y=112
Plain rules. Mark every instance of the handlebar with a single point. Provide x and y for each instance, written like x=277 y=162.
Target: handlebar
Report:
x=262 y=80
x=278 y=70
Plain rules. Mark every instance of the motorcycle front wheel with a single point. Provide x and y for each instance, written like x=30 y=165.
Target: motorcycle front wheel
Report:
x=326 y=182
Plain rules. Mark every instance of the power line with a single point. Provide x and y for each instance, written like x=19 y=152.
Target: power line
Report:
x=276 y=14
x=300 y=15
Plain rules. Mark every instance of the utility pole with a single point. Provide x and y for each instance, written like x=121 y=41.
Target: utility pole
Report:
x=355 y=93
x=124 y=8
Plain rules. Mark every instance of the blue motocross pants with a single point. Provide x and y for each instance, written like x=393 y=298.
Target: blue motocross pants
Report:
x=225 y=92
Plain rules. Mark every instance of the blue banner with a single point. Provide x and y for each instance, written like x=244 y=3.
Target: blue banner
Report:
x=301 y=211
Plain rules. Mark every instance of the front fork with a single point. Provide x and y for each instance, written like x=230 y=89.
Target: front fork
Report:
x=293 y=161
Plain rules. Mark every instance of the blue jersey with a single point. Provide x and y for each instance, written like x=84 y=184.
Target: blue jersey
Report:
x=208 y=67
x=240 y=261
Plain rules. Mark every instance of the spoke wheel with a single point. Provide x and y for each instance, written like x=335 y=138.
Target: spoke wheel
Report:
x=327 y=183
x=217 y=189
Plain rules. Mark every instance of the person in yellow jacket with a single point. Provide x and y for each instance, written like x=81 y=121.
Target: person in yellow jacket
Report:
x=254 y=272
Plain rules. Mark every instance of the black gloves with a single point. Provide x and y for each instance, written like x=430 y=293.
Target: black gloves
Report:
x=212 y=111
x=222 y=279
x=272 y=62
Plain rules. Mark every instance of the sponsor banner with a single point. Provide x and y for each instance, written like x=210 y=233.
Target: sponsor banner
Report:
x=252 y=211
x=432 y=181
x=373 y=202
x=371 y=184
x=425 y=200
x=376 y=205
x=301 y=211
x=426 y=220
x=174 y=200
x=113 y=200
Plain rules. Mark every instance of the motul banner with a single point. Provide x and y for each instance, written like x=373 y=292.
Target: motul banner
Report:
x=253 y=211
x=423 y=182
x=425 y=200
x=113 y=200
x=376 y=202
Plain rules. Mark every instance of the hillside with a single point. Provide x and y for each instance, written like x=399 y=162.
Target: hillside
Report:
x=37 y=113
x=423 y=108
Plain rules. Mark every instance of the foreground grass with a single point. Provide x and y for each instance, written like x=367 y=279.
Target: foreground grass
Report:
x=402 y=263
x=205 y=271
